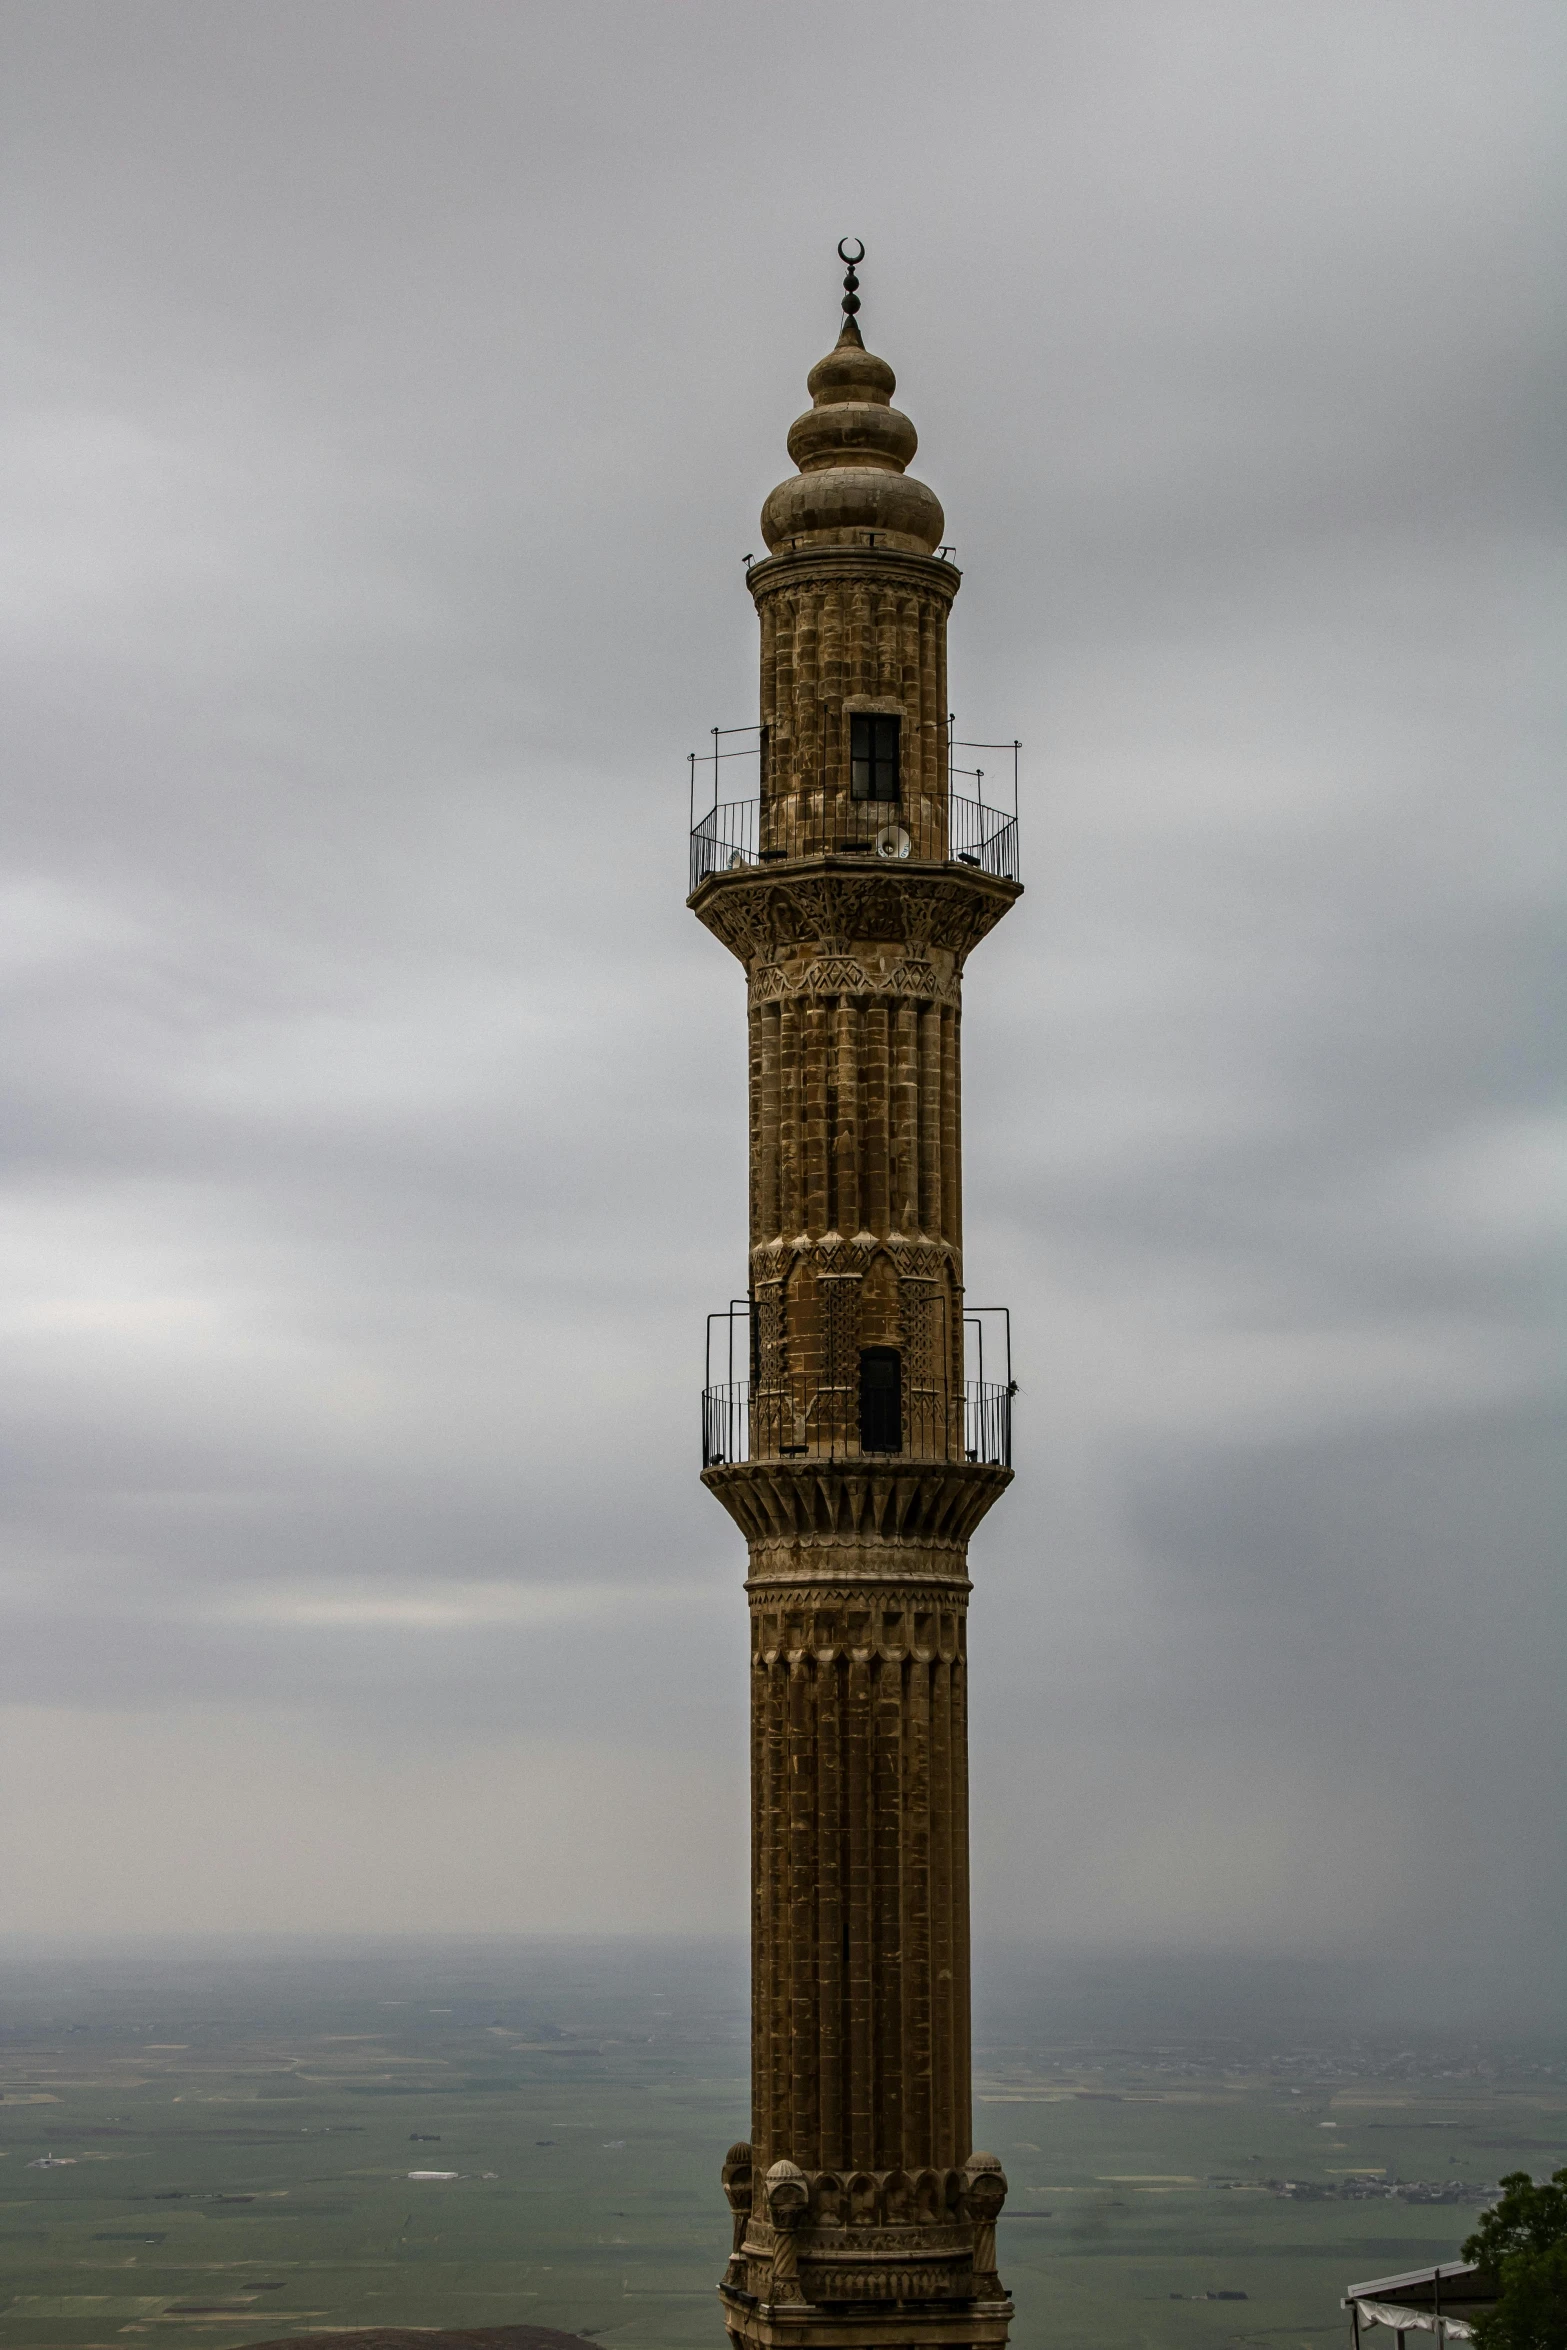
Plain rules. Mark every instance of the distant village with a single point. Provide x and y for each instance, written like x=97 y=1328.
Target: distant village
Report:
x=1369 y=2190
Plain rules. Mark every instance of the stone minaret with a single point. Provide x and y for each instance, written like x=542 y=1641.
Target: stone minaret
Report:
x=852 y=1454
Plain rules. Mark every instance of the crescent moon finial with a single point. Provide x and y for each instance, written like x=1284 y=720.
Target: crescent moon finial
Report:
x=851 y=298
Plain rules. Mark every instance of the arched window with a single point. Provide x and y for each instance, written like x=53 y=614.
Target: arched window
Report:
x=881 y=1399
x=873 y=756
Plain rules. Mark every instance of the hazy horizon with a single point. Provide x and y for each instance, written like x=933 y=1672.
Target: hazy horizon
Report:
x=1035 y=1990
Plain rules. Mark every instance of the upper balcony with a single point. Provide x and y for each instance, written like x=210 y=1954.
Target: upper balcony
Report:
x=755 y=829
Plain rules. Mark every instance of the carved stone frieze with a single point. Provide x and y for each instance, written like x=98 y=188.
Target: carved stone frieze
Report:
x=790 y=570
x=919 y=978
x=899 y=1500
x=843 y=975
x=756 y=911
x=889 y=1624
x=901 y=2280
x=814 y=1569
x=844 y=2241
x=878 y=2324
x=876 y=2235
x=913 y=1255
x=971 y=2324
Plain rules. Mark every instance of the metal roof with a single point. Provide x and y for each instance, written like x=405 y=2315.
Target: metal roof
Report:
x=1460 y=2280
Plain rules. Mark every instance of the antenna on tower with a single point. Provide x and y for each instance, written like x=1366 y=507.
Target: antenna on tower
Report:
x=851 y=298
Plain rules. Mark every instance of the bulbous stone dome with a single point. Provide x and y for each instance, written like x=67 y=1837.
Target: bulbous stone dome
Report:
x=851 y=446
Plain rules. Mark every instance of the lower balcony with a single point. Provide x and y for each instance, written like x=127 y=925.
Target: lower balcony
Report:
x=872 y=1422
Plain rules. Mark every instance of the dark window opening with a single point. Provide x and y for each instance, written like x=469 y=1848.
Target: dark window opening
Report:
x=881 y=1399
x=873 y=756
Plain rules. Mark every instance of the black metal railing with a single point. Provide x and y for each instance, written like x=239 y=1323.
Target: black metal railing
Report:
x=726 y=1423
x=956 y=825
x=736 y=834
x=740 y=1426
x=987 y=1422
x=725 y=840
x=762 y=1417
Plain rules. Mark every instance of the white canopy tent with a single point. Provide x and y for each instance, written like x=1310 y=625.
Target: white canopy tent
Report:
x=1441 y=2301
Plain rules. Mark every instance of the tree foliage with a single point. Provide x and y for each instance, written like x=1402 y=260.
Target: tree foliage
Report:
x=1522 y=2242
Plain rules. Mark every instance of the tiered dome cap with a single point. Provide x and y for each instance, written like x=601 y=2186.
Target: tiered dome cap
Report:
x=851 y=446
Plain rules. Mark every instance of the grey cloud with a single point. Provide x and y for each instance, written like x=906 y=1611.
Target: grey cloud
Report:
x=389 y=406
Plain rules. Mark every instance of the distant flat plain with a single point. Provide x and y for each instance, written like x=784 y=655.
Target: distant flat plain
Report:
x=229 y=2133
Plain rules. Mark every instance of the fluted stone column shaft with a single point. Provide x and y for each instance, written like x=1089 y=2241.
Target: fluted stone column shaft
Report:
x=860 y=1956
x=878 y=1071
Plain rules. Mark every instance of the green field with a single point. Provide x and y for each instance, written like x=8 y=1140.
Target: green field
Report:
x=232 y=2137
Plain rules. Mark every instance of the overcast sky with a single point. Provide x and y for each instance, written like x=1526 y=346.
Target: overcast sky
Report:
x=390 y=391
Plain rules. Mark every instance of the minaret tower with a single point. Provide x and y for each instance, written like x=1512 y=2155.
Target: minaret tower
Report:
x=840 y=1431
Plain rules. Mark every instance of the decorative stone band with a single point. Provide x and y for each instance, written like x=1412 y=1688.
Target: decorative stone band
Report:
x=901 y=2277
x=760 y=914
x=929 y=1503
x=808 y=567
x=824 y=2236
x=815 y=1571
x=831 y=976
x=977 y=2324
x=889 y=1623
x=914 y=1256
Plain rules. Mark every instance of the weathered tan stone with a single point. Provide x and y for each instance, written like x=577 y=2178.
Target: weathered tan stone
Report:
x=863 y=2219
